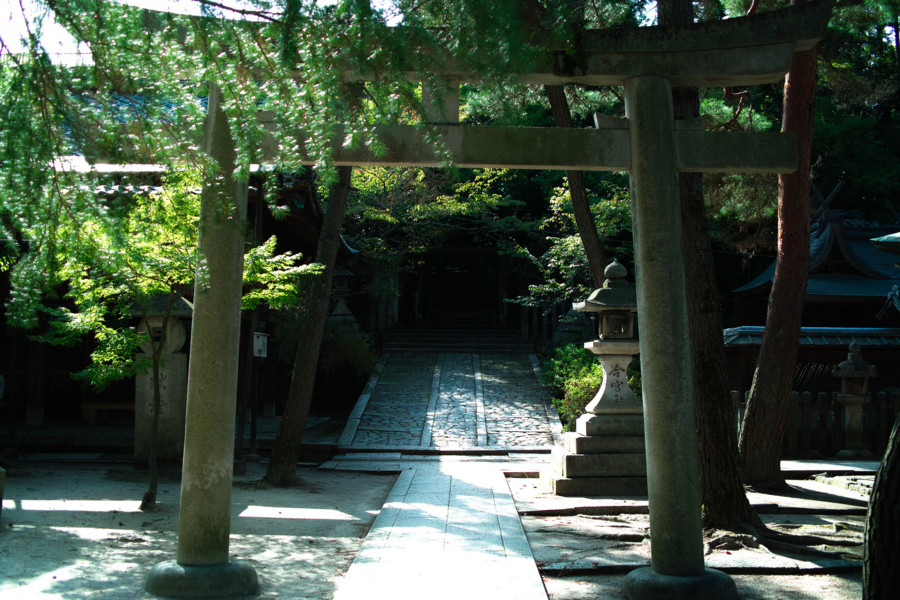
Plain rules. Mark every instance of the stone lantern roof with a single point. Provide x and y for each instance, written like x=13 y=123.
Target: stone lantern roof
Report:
x=616 y=293
x=854 y=366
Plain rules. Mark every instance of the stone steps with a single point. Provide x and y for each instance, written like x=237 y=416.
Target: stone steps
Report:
x=457 y=340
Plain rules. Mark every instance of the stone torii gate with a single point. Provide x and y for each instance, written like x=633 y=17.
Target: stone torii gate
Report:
x=649 y=144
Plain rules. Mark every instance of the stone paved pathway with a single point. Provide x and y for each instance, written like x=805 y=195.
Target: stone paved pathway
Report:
x=453 y=401
x=448 y=531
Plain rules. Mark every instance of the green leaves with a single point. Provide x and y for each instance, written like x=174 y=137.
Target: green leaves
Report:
x=108 y=257
x=274 y=280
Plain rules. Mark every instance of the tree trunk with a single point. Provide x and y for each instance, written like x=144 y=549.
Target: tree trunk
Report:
x=882 y=549
x=562 y=116
x=725 y=504
x=762 y=431
x=148 y=502
x=282 y=469
x=584 y=219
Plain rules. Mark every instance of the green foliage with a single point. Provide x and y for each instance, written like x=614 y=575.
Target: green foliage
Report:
x=252 y=53
x=563 y=266
x=105 y=268
x=274 y=280
x=573 y=376
x=743 y=210
x=742 y=207
x=857 y=135
x=579 y=391
x=564 y=363
x=109 y=267
x=739 y=114
x=345 y=353
x=399 y=215
x=564 y=272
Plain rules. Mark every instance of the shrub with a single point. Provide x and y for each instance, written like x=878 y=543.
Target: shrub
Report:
x=578 y=392
x=573 y=376
x=567 y=362
x=346 y=360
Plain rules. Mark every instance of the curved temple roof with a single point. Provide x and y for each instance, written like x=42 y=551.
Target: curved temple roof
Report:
x=844 y=261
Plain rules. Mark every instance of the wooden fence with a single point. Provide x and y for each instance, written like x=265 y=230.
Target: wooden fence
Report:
x=816 y=428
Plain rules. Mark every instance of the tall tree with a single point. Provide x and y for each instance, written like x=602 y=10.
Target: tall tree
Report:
x=762 y=430
x=282 y=468
x=724 y=501
x=562 y=116
x=581 y=208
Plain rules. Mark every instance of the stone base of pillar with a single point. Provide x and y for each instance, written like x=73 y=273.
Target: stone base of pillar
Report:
x=228 y=580
x=610 y=424
x=647 y=584
x=608 y=461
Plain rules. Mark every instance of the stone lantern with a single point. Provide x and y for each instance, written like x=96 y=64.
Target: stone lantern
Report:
x=172 y=381
x=854 y=373
x=341 y=315
x=616 y=344
x=605 y=455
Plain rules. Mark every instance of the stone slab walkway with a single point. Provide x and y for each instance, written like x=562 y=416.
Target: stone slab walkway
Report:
x=455 y=402
x=449 y=529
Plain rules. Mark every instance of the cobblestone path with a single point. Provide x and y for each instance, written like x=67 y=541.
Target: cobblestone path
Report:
x=461 y=401
x=396 y=412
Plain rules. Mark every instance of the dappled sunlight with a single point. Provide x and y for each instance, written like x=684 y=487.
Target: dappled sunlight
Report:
x=76 y=533
x=125 y=506
x=42 y=586
x=284 y=512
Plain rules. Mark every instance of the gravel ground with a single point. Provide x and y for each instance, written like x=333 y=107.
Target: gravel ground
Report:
x=75 y=532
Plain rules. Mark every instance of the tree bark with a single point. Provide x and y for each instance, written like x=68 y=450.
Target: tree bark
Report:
x=725 y=504
x=562 y=116
x=881 y=578
x=762 y=431
x=148 y=502
x=584 y=219
x=282 y=469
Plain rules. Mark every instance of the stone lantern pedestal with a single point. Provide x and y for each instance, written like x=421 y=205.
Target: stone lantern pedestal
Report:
x=854 y=373
x=605 y=455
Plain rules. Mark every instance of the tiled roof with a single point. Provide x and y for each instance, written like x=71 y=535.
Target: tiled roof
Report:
x=843 y=284
x=843 y=260
x=819 y=337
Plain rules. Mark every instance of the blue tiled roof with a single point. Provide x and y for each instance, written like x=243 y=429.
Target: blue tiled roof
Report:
x=819 y=337
x=843 y=260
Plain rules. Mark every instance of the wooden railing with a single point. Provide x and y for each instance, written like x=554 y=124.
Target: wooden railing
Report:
x=816 y=428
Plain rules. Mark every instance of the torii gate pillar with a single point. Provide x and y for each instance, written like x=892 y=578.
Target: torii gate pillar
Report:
x=202 y=568
x=673 y=476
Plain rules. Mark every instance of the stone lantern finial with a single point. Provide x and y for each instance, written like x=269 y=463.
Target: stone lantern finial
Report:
x=614 y=271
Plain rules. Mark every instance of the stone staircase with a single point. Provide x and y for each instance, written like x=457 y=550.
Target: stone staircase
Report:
x=457 y=340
